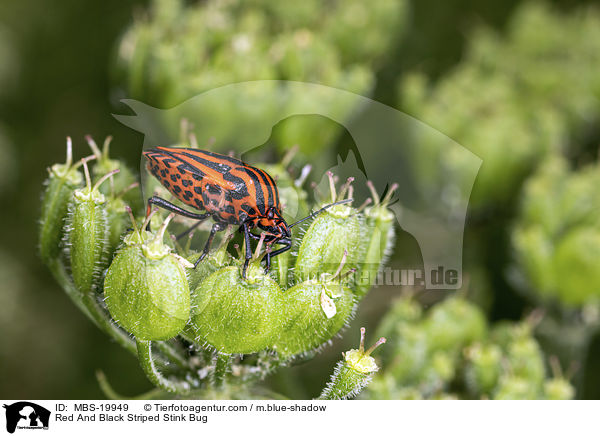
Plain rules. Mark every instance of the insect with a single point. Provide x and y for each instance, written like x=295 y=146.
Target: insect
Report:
x=229 y=191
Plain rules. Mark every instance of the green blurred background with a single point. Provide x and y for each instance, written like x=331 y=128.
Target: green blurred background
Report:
x=515 y=84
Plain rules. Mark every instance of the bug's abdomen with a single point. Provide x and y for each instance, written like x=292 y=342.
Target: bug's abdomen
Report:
x=219 y=201
x=183 y=185
x=197 y=191
x=226 y=187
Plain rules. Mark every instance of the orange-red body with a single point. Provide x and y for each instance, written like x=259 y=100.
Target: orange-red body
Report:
x=230 y=190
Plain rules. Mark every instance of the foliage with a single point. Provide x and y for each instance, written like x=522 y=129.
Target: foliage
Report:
x=524 y=97
x=512 y=100
x=556 y=237
x=177 y=52
x=450 y=351
x=211 y=324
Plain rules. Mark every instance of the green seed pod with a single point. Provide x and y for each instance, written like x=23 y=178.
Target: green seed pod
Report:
x=411 y=353
x=453 y=324
x=118 y=219
x=504 y=333
x=213 y=261
x=576 y=266
x=118 y=222
x=293 y=196
x=439 y=371
x=87 y=234
x=62 y=181
x=122 y=182
x=526 y=361
x=405 y=310
x=146 y=288
x=313 y=316
x=382 y=387
x=352 y=373
x=558 y=389
x=314 y=311
x=516 y=388
x=281 y=267
x=379 y=240
x=483 y=368
x=332 y=233
x=294 y=204
x=235 y=315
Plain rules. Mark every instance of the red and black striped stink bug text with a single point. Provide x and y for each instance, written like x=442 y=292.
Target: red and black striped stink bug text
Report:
x=230 y=191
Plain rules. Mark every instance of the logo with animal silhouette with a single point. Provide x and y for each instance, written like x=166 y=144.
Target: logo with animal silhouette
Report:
x=379 y=142
x=26 y=415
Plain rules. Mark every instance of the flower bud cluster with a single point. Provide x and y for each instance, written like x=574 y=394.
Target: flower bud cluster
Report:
x=141 y=286
x=557 y=237
x=180 y=50
x=450 y=352
x=512 y=100
x=315 y=300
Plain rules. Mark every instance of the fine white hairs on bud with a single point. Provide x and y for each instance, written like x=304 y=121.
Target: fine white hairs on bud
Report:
x=352 y=373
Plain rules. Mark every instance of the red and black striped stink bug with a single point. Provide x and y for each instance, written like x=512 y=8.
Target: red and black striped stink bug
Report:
x=230 y=191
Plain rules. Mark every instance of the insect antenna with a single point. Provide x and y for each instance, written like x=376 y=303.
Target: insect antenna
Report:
x=314 y=214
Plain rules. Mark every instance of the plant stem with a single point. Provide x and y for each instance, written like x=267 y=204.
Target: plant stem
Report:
x=111 y=394
x=173 y=355
x=144 y=351
x=346 y=382
x=222 y=362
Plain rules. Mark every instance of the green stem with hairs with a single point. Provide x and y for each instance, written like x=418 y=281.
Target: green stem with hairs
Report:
x=222 y=363
x=144 y=352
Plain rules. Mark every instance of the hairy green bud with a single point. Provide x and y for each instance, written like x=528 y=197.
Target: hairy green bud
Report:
x=118 y=223
x=146 y=288
x=314 y=313
x=525 y=360
x=516 y=388
x=352 y=373
x=62 y=181
x=334 y=233
x=87 y=233
x=122 y=181
x=453 y=324
x=212 y=262
x=558 y=389
x=293 y=201
x=379 y=239
x=483 y=368
x=576 y=266
x=235 y=315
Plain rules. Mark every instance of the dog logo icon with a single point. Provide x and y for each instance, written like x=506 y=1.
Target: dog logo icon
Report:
x=26 y=415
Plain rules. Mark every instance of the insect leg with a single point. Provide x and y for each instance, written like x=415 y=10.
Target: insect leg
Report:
x=185 y=232
x=217 y=227
x=287 y=245
x=171 y=207
x=248 y=248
